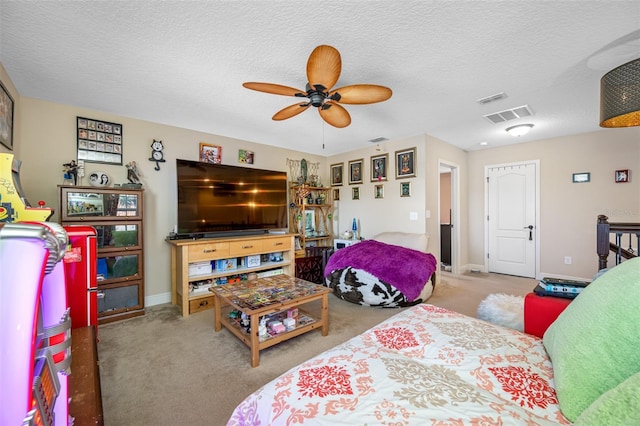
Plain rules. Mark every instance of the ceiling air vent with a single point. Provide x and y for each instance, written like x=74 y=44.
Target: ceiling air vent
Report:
x=509 y=114
x=492 y=98
x=378 y=140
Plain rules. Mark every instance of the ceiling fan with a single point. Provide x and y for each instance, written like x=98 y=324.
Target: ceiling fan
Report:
x=323 y=70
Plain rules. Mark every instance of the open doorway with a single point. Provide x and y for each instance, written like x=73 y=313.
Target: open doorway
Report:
x=448 y=216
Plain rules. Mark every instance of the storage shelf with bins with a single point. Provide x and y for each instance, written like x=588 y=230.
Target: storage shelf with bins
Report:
x=187 y=253
x=116 y=215
x=311 y=216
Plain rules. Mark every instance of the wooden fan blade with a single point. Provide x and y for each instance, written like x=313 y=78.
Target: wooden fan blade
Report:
x=361 y=94
x=324 y=66
x=335 y=114
x=275 y=89
x=291 y=111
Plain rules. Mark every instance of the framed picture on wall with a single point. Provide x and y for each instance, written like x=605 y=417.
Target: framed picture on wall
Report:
x=622 y=176
x=582 y=177
x=99 y=141
x=355 y=193
x=336 y=194
x=379 y=191
x=245 y=156
x=405 y=189
x=379 y=167
x=337 y=171
x=6 y=117
x=355 y=171
x=210 y=153
x=406 y=163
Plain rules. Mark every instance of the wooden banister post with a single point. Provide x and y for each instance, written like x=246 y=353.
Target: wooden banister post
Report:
x=602 y=241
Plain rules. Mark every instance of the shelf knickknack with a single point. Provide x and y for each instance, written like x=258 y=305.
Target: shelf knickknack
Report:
x=304 y=172
x=99 y=141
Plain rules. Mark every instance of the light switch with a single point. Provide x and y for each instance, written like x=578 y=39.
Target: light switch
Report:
x=413 y=215
x=427 y=214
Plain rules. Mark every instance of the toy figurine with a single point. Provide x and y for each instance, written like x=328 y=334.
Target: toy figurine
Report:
x=133 y=174
x=71 y=171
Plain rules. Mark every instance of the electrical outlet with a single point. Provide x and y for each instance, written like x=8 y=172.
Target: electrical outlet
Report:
x=413 y=215
x=567 y=260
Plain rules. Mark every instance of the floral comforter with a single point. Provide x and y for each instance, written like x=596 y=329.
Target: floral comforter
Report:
x=423 y=366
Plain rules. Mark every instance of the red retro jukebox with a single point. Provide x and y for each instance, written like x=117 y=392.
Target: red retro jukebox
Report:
x=35 y=325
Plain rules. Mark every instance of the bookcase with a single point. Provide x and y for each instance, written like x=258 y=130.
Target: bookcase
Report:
x=196 y=265
x=311 y=216
x=117 y=216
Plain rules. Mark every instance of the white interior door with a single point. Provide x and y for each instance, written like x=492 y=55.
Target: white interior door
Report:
x=512 y=219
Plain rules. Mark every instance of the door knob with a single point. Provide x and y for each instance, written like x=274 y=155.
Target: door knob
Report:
x=530 y=227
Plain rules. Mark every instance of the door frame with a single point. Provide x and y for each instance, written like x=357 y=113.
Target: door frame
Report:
x=455 y=212
x=487 y=237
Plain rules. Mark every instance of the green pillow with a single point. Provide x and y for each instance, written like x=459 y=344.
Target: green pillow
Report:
x=619 y=406
x=594 y=343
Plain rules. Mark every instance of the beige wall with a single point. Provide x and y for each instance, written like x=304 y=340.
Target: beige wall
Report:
x=392 y=213
x=568 y=211
x=48 y=141
x=44 y=138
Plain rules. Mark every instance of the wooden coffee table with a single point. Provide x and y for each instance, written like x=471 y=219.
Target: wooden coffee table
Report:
x=264 y=296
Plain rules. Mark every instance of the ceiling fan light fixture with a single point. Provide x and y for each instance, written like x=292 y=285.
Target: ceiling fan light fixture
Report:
x=323 y=70
x=519 y=130
x=620 y=96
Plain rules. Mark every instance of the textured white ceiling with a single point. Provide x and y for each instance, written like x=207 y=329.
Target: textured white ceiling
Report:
x=183 y=63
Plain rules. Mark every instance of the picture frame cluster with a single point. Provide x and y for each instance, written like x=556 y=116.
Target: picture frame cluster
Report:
x=379 y=166
x=99 y=141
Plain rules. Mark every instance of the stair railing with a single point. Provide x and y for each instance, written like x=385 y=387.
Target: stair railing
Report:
x=622 y=231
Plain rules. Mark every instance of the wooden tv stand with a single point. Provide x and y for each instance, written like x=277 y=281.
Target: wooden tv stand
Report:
x=188 y=251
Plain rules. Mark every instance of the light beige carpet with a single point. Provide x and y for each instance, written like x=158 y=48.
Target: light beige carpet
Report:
x=162 y=369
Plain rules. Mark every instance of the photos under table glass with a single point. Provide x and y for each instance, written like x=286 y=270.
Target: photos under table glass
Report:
x=265 y=311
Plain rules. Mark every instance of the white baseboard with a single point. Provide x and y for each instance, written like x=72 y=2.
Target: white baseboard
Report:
x=157 y=299
x=472 y=268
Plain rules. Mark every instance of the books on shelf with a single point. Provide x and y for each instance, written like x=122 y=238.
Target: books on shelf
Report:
x=560 y=287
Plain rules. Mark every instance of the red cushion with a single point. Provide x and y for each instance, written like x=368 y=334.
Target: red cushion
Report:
x=541 y=311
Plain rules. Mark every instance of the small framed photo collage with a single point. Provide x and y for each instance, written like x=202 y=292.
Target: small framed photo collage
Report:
x=99 y=141
x=379 y=166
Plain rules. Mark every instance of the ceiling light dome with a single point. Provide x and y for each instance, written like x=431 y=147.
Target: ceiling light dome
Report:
x=519 y=130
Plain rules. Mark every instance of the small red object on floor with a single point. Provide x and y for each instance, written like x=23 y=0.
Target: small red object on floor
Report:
x=541 y=311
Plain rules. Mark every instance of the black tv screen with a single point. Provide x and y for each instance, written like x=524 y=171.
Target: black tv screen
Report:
x=215 y=199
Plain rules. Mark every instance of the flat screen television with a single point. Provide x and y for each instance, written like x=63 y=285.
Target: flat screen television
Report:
x=217 y=200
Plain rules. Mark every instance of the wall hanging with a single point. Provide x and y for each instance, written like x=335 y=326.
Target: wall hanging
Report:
x=405 y=163
x=210 y=153
x=622 y=176
x=355 y=171
x=379 y=167
x=336 y=174
x=6 y=118
x=99 y=141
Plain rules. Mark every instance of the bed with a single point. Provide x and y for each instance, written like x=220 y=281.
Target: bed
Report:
x=391 y=270
x=423 y=366
x=430 y=366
